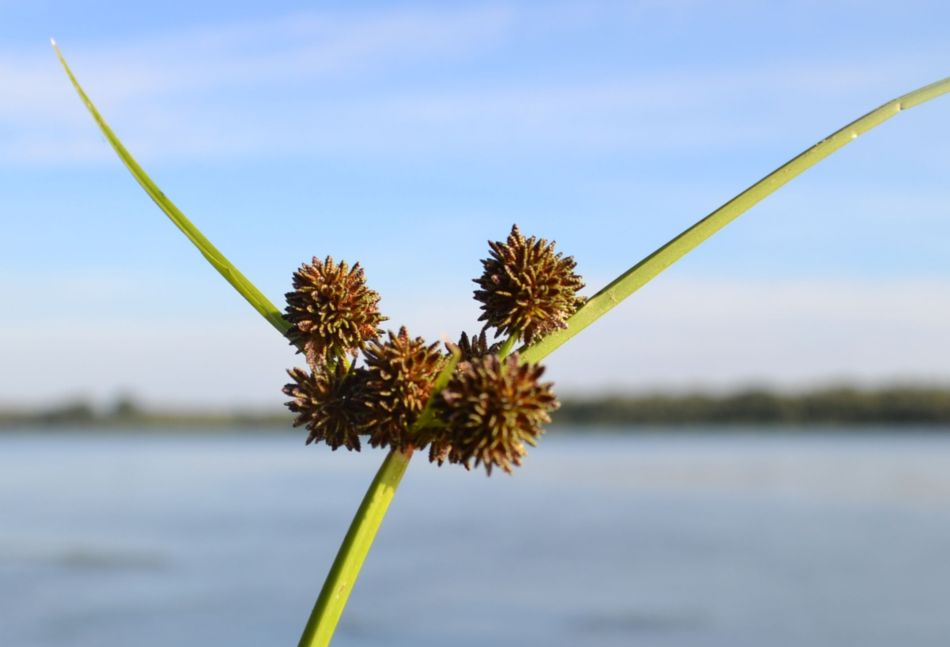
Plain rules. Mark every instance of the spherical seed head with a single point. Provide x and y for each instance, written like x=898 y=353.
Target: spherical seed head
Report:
x=468 y=348
x=400 y=375
x=331 y=311
x=492 y=407
x=526 y=288
x=331 y=403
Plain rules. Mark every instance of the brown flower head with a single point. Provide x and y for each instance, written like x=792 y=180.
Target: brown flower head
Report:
x=331 y=310
x=468 y=348
x=330 y=402
x=471 y=347
x=439 y=446
x=491 y=408
x=400 y=375
x=526 y=288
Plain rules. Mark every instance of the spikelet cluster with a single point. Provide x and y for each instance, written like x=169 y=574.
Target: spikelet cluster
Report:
x=527 y=289
x=331 y=310
x=400 y=372
x=330 y=403
x=492 y=408
x=382 y=389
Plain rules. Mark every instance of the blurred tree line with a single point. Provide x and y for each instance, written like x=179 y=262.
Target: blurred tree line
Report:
x=842 y=405
x=829 y=406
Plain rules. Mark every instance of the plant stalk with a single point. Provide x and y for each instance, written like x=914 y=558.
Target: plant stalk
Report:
x=349 y=560
x=359 y=538
x=508 y=345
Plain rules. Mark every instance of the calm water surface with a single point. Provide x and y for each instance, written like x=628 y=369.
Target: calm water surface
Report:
x=724 y=539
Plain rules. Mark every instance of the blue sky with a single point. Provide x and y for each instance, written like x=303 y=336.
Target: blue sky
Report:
x=404 y=135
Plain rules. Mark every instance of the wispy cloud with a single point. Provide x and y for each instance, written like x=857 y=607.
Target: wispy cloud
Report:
x=790 y=333
x=127 y=78
x=299 y=47
x=324 y=81
x=674 y=334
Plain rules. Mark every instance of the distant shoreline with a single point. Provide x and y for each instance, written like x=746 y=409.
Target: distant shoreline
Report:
x=845 y=406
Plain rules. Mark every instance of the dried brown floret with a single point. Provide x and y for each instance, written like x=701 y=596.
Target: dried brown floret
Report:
x=491 y=408
x=331 y=403
x=439 y=447
x=401 y=371
x=471 y=347
x=526 y=288
x=331 y=310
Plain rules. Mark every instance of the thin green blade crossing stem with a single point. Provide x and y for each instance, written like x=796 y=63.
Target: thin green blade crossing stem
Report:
x=647 y=269
x=218 y=260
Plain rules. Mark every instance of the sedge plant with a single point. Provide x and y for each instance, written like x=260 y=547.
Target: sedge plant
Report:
x=478 y=402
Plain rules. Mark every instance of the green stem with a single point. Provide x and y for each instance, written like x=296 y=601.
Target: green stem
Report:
x=359 y=538
x=349 y=560
x=507 y=345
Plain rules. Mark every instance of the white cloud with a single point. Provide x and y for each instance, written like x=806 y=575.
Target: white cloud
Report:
x=302 y=47
x=673 y=334
x=234 y=365
x=132 y=79
x=321 y=81
x=789 y=333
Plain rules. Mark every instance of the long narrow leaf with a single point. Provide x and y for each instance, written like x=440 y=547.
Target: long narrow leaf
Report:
x=218 y=260
x=647 y=269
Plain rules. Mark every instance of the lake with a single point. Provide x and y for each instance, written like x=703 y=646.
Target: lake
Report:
x=653 y=539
